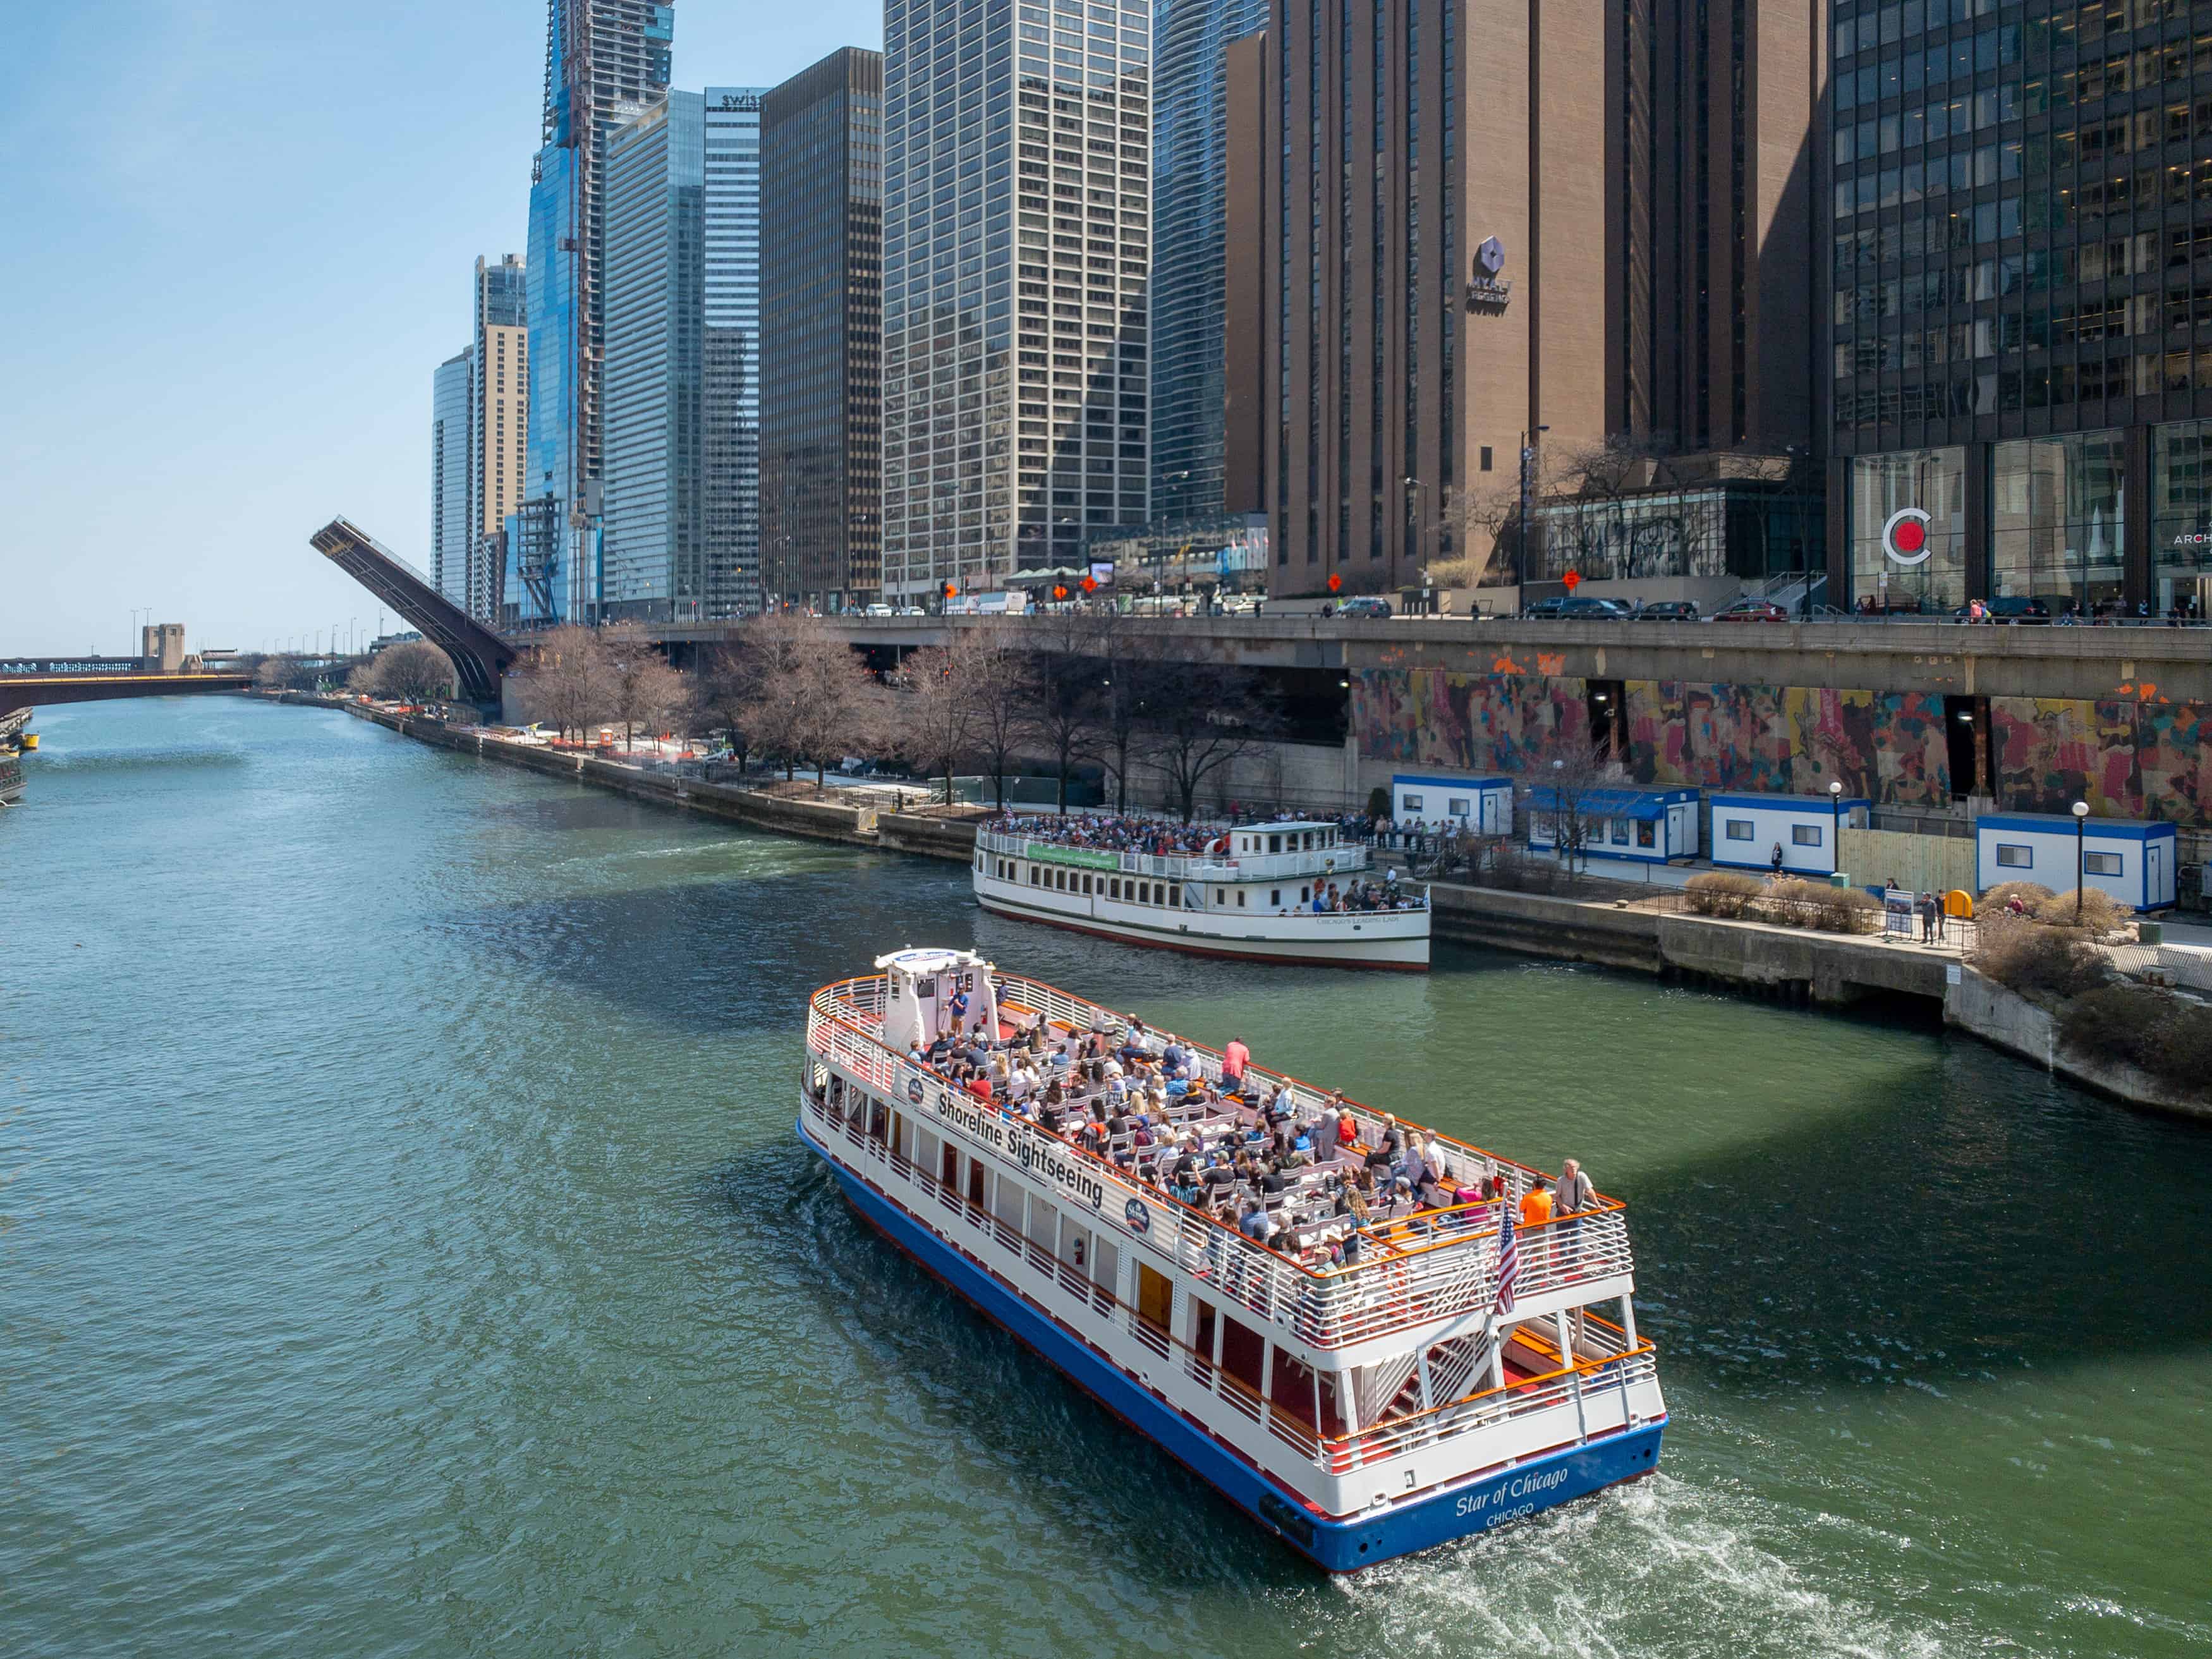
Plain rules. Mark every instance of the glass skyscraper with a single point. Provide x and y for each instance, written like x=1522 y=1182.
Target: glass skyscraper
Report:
x=605 y=63
x=821 y=210
x=1017 y=229
x=499 y=405
x=1190 y=164
x=449 y=450
x=2021 y=323
x=651 y=564
x=732 y=406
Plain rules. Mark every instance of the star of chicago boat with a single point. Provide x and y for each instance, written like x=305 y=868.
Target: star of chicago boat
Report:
x=1249 y=893
x=1360 y=1397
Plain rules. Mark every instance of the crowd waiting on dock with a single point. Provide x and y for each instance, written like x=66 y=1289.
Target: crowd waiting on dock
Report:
x=1299 y=1179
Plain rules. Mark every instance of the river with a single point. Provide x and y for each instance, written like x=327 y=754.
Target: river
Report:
x=404 y=1250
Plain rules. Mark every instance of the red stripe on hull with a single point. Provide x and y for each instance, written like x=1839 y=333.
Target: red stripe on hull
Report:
x=1201 y=950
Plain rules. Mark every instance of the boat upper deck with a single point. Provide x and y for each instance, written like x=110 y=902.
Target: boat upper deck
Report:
x=1340 y=1223
x=1158 y=847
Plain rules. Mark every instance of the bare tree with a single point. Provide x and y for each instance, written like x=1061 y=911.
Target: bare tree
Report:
x=1574 y=772
x=937 y=716
x=285 y=672
x=1064 y=721
x=1003 y=684
x=643 y=688
x=1127 y=661
x=568 y=679
x=721 y=692
x=1198 y=719
x=801 y=694
x=414 y=670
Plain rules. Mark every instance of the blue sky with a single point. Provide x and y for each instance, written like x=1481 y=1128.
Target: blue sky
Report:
x=237 y=242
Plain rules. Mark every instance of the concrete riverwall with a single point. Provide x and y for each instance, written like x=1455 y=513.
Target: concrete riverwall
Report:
x=2005 y=1019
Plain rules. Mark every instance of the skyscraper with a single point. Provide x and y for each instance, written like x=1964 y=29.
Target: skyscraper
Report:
x=1016 y=221
x=821 y=196
x=653 y=565
x=2021 y=221
x=499 y=412
x=732 y=350
x=1189 y=191
x=605 y=63
x=1491 y=229
x=449 y=476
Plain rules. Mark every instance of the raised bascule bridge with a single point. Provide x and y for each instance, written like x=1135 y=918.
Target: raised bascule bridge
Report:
x=480 y=656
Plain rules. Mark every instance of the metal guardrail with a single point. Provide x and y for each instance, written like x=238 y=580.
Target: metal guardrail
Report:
x=1346 y=858
x=1418 y=1270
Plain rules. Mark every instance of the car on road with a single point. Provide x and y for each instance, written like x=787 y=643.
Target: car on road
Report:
x=1590 y=608
x=1365 y=605
x=912 y=611
x=1752 y=611
x=1669 y=611
x=877 y=610
x=1543 y=609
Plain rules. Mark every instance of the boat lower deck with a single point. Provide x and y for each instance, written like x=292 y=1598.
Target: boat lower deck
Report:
x=1396 y=1524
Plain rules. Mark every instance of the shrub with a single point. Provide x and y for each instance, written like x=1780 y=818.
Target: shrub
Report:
x=2161 y=1033
x=1721 y=893
x=2033 y=959
x=1846 y=910
x=2100 y=912
x=2029 y=893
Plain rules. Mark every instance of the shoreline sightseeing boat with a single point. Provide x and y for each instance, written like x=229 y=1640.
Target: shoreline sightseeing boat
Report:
x=1249 y=895
x=1427 y=1391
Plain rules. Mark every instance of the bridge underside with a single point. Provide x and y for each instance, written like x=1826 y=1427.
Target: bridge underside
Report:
x=45 y=691
x=480 y=656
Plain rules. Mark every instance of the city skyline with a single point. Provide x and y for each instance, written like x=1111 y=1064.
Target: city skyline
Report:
x=252 y=404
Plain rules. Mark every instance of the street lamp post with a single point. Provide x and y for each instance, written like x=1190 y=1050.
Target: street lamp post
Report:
x=1835 y=828
x=2081 y=859
x=1520 y=537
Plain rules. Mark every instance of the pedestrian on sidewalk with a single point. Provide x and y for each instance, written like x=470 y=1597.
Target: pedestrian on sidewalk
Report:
x=1776 y=860
x=1927 y=907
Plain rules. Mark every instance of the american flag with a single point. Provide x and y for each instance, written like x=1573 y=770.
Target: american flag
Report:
x=1508 y=1257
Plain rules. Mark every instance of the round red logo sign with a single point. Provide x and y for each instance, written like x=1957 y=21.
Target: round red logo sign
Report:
x=1905 y=536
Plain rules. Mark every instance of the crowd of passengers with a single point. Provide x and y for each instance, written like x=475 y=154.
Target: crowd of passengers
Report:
x=1296 y=1177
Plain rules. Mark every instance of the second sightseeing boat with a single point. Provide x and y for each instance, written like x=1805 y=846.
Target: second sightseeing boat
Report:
x=1290 y=890
x=1361 y=1388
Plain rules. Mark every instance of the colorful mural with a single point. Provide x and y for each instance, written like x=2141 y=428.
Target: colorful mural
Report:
x=2139 y=759
x=1465 y=722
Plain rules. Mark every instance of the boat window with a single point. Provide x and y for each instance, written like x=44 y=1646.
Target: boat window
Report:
x=1033 y=875
x=1221 y=895
x=1114 y=888
x=1274 y=898
x=979 y=863
x=1241 y=1349
x=1274 y=843
x=1239 y=898
x=1291 y=1389
x=1305 y=894
x=1086 y=883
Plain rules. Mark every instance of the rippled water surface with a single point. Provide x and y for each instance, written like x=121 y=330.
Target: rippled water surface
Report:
x=404 y=1250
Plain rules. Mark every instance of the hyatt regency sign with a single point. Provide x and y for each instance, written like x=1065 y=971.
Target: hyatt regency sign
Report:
x=1488 y=288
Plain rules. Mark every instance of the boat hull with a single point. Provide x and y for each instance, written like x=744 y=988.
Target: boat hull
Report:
x=1459 y=1509
x=1344 y=946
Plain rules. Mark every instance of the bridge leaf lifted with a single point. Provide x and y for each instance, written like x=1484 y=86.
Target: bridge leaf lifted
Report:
x=480 y=656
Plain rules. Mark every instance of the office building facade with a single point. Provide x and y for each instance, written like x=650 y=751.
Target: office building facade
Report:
x=1017 y=234
x=1593 y=231
x=450 y=448
x=499 y=409
x=605 y=63
x=821 y=433
x=2020 y=303
x=732 y=350
x=653 y=541
x=1189 y=250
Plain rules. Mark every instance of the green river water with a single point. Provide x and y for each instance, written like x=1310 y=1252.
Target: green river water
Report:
x=404 y=1249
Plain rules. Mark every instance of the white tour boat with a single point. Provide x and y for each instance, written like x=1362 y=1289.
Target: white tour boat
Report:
x=1363 y=1389
x=1257 y=891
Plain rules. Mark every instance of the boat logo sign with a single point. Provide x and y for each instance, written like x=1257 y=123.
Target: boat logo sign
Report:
x=1139 y=1218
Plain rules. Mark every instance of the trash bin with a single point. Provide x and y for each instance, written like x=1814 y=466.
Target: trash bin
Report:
x=2150 y=933
x=1841 y=879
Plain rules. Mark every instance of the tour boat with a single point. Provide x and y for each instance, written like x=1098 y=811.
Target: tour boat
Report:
x=1447 y=1375
x=1249 y=893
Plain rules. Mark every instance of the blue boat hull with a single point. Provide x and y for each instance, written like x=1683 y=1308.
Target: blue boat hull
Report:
x=1456 y=1512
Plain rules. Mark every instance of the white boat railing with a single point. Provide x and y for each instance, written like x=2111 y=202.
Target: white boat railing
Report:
x=1344 y=859
x=1438 y=1264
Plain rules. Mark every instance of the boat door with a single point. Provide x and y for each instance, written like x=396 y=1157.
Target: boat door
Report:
x=1155 y=1298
